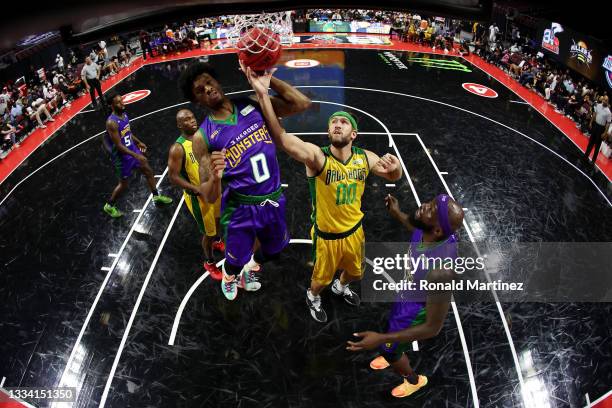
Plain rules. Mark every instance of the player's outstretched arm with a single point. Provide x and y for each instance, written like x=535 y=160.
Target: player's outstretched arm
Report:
x=387 y=167
x=304 y=152
x=211 y=168
x=437 y=309
x=175 y=161
x=394 y=210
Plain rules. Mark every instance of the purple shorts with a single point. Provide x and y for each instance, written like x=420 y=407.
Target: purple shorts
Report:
x=403 y=315
x=125 y=163
x=243 y=223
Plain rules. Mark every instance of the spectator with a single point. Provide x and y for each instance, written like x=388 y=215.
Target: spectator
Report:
x=8 y=133
x=599 y=123
x=145 y=44
x=90 y=74
x=59 y=63
x=34 y=111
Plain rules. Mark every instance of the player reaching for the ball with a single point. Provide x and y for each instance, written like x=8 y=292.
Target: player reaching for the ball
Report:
x=416 y=315
x=233 y=145
x=337 y=175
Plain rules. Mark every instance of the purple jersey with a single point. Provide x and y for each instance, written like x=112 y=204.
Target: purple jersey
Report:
x=125 y=135
x=251 y=167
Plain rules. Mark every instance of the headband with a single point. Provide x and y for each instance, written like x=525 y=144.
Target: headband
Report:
x=347 y=116
x=442 y=200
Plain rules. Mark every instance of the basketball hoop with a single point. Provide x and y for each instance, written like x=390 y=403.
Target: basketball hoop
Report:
x=275 y=29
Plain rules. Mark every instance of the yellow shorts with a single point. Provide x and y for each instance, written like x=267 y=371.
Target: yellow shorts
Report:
x=331 y=255
x=205 y=214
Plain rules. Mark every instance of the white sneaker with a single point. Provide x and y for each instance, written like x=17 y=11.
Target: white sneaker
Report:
x=349 y=296
x=248 y=280
x=316 y=310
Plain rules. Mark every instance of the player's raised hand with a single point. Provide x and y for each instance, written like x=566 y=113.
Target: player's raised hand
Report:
x=391 y=203
x=260 y=83
x=370 y=340
x=388 y=163
x=217 y=164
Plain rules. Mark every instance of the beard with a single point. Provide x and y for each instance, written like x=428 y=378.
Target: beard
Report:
x=340 y=143
x=418 y=223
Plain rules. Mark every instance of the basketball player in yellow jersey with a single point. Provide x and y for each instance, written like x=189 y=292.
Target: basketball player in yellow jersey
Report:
x=337 y=175
x=184 y=172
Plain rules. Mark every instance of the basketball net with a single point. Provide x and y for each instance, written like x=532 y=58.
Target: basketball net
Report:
x=276 y=22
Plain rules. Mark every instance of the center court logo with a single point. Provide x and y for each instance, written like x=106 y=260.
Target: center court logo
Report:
x=135 y=96
x=580 y=51
x=550 y=41
x=607 y=65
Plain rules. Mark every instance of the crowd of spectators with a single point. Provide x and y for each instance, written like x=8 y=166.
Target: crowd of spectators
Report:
x=25 y=106
x=33 y=100
x=567 y=92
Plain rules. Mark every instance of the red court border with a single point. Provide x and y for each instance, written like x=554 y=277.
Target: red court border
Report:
x=16 y=157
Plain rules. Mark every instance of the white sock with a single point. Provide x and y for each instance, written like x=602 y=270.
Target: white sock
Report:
x=341 y=286
x=311 y=297
x=251 y=264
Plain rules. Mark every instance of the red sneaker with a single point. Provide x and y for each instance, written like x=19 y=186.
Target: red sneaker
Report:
x=213 y=270
x=219 y=246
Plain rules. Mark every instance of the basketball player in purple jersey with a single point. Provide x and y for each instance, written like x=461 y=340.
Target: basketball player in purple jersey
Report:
x=413 y=317
x=126 y=153
x=233 y=146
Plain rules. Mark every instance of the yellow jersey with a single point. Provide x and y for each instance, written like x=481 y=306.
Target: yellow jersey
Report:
x=336 y=194
x=190 y=170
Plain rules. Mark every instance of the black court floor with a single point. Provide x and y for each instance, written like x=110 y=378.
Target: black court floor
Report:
x=120 y=309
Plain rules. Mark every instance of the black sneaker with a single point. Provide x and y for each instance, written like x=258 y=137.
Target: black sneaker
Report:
x=349 y=296
x=316 y=311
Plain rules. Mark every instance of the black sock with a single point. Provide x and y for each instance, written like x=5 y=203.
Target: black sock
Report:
x=209 y=260
x=155 y=192
x=413 y=378
x=111 y=202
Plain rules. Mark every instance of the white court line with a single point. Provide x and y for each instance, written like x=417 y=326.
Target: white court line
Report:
x=466 y=354
x=598 y=400
x=66 y=373
x=137 y=305
x=137 y=211
x=517 y=365
x=105 y=268
x=93 y=110
x=389 y=185
x=521 y=102
x=157 y=176
x=91 y=138
x=468 y=361
x=179 y=312
x=588 y=400
x=545 y=117
x=470 y=112
x=77 y=145
x=285 y=185
x=2 y=382
x=465 y=209
x=52 y=133
x=442 y=172
x=113 y=255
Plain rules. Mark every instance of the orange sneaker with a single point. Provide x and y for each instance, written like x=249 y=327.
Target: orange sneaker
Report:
x=218 y=246
x=379 y=363
x=406 y=389
x=213 y=270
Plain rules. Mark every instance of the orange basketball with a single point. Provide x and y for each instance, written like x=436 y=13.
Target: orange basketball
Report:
x=259 y=48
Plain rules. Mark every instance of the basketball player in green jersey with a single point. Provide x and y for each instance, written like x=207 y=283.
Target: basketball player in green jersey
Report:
x=183 y=169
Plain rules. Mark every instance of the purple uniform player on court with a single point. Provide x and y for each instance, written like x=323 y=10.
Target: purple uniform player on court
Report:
x=127 y=154
x=234 y=147
x=417 y=315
